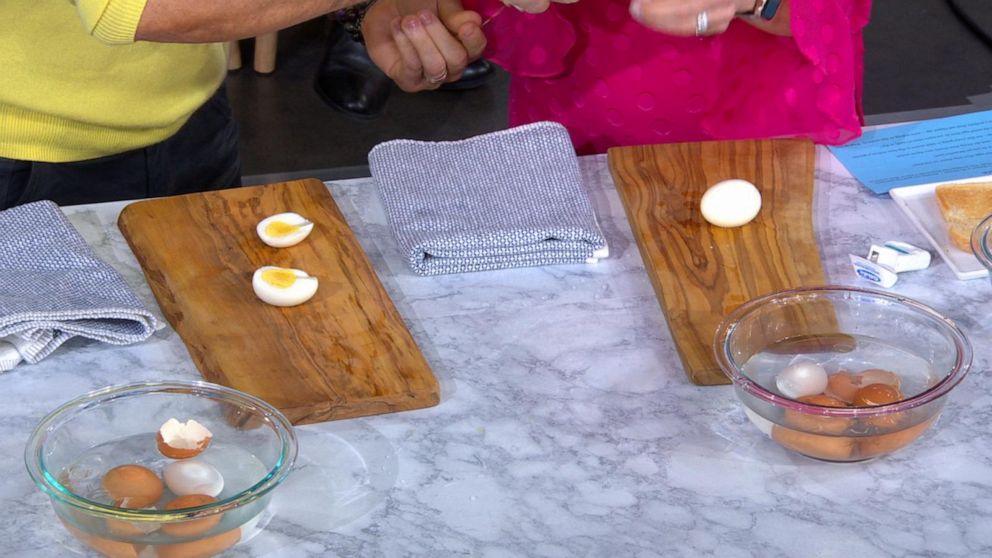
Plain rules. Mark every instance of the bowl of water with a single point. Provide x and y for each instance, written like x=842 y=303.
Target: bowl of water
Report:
x=73 y=450
x=840 y=373
x=981 y=243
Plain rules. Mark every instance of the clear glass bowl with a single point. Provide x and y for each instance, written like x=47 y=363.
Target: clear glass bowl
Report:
x=253 y=446
x=981 y=243
x=843 y=330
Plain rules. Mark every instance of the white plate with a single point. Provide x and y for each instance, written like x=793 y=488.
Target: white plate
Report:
x=920 y=204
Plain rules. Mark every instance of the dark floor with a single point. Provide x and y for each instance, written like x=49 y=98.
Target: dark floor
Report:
x=918 y=56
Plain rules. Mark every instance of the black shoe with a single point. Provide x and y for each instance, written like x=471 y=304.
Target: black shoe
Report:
x=348 y=80
x=475 y=75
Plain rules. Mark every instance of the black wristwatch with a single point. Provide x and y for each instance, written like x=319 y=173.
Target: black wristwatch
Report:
x=765 y=9
x=769 y=9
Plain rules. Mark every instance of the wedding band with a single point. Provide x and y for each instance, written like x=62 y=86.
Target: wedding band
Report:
x=702 y=23
x=440 y=78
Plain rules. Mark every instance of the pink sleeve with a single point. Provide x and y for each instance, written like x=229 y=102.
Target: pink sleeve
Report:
x=530 y=45
x=829 y=34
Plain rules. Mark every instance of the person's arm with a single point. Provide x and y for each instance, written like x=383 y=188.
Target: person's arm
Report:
x=681 y=17
x=215 y=21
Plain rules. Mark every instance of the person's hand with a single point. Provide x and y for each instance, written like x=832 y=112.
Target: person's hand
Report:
x=688 y=17
x=536 y=6
x=426 y=49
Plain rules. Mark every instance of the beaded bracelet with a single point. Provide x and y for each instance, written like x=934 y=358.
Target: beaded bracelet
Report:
x=351 y=19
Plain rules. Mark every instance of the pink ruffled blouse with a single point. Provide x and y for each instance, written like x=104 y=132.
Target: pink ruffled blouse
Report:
x=611 y=81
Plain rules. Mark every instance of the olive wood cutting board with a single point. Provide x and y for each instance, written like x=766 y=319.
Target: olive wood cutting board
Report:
x=344 y=353
x=701 y=272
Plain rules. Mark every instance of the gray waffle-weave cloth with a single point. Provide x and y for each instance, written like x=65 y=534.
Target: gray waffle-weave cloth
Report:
x=53 y=288
x=512 y=198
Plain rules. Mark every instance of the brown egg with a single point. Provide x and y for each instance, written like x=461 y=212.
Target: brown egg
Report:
x=873 y=446
x=818 y=423
x=843 y=385
x=873 y=395
x=879 y=376
x=191 y=527
x=203 y=548
x=104 y=547
x=132 y=486
x=831 y=448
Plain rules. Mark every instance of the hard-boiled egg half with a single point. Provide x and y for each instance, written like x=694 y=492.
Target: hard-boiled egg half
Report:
x=283 y=229
x=282 y=286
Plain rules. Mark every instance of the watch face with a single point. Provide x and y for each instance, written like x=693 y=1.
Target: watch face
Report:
x=770 y=8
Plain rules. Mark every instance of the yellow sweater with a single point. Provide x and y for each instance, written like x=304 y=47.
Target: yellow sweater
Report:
x=74 y=85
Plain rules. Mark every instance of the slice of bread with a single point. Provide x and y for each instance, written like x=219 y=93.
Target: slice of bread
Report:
x=964 y=206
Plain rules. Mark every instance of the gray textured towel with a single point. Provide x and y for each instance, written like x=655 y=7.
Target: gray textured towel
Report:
x=53 y=288
x=512 y=198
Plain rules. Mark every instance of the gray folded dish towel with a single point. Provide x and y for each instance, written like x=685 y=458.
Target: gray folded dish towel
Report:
x=53 y=288
x=512 y=198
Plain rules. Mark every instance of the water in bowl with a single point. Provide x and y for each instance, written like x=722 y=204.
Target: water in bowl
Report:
x=838 y=438
x=239 y=468
x=916 y=373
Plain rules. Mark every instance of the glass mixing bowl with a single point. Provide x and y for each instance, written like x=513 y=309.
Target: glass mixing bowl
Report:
x=253 y=447
x=981 y=243
x=844 y=331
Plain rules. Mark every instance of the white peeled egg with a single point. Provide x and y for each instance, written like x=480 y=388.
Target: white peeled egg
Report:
x=801 y=378
x=282 y=286
x=731 y=203
x=284 y=229
x=189 y=476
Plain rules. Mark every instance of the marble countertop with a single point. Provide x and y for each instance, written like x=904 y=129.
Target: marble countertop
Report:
x=566 y=425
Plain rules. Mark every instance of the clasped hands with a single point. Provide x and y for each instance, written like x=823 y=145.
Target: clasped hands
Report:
x=425 y=49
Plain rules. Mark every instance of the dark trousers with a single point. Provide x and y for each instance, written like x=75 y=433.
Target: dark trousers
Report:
x=202 y=155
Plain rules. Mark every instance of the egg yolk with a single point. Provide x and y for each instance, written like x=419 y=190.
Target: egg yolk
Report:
x=282 y=278
x=279 y=228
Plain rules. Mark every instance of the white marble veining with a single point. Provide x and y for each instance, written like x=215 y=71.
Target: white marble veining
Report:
x=566 y=426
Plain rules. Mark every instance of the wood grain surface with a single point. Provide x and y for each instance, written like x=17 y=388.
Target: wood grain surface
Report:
x=701 y=272
x=344 y=353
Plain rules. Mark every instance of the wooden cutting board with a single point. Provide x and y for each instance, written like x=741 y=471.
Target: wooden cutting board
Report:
x=701 y=272
x=344 y=353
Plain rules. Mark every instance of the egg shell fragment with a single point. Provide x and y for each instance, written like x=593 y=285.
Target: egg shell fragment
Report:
x=730 y=203
x=182 y=440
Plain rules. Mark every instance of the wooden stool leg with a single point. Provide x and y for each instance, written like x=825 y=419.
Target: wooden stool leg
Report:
x=265 y=52
x=233 y=55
